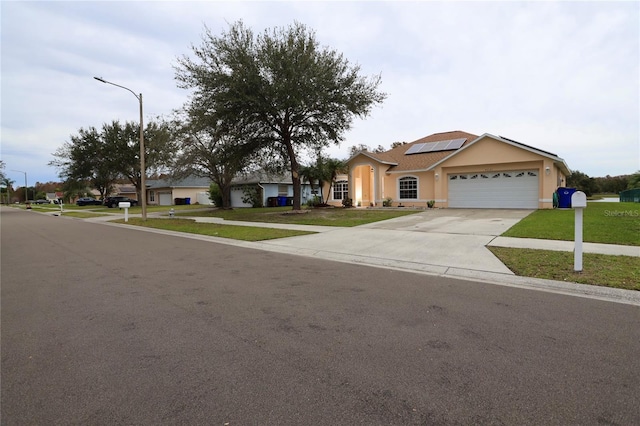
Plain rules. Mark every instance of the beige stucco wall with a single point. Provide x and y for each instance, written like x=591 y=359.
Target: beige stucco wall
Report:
x=426 y=189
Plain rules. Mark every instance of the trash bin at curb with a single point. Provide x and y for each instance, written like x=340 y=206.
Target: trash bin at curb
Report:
x=272 y=202
x=564 y=197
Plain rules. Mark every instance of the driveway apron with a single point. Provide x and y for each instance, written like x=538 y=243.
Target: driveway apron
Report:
x=437 y=241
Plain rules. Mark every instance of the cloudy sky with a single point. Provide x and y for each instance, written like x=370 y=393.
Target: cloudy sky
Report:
x=561 y=76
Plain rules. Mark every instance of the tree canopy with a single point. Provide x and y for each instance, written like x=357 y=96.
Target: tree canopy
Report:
x=207 y=151
x=99 y=158
x=634 y=180
x=354 y=149
x=293 y=94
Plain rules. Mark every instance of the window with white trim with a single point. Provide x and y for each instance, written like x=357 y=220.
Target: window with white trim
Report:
x=152 y=196
x=341 y=190
x=408 y=188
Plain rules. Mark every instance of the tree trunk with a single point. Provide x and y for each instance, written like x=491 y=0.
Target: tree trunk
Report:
x=295 y=177
x=295 y=169
x=226 y=196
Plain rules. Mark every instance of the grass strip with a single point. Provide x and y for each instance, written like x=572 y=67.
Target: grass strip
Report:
x=244 y=233
x=608 y=223
x=339 y=217
x=598 y=269
x=82 y=215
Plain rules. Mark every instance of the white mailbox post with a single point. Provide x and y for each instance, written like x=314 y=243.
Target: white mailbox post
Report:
x=125 y=205
x=578 y=202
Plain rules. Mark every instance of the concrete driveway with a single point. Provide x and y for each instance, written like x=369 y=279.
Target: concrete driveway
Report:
x=442 y=241
x=492 y=222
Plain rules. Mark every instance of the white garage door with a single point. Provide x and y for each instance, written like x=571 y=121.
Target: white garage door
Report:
x=511 y=189
x=165 y=199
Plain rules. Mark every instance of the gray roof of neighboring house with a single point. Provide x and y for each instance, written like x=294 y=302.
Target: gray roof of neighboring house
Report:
x=261 y=177
x=199 y=182
x=189 y=182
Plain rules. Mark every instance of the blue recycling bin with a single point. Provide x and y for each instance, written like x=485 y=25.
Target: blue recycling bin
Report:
x=187 y=201
x=564 y=197
x=282 y=201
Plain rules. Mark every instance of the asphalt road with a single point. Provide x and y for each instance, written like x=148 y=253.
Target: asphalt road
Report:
x=105 y=325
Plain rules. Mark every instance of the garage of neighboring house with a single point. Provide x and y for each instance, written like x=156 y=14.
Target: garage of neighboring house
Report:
x=164 y=198
x=506 y=189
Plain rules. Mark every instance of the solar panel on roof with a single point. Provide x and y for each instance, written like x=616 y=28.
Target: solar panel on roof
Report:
x=414 y=149
x=456 y=143
x=428 y=147
x=440 y=146
x=448 y=145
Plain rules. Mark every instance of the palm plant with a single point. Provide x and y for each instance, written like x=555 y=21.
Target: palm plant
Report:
x=331 y=168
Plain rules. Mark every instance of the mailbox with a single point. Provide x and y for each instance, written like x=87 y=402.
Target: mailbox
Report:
x=578 y=202
x=578 y=199
x=124 y=204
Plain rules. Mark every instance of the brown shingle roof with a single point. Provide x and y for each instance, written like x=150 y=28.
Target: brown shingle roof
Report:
x=420 y=161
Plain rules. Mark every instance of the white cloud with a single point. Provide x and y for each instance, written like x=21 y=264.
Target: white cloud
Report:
x=562 y=76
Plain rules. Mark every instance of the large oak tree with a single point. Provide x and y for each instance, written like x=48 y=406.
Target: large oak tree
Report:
x=294 y=94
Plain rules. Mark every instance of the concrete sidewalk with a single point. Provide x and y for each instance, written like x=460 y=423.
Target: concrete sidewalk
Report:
x=555 y=245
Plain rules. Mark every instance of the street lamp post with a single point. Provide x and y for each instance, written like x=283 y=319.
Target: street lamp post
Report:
x=25 y=185
x=143 y=179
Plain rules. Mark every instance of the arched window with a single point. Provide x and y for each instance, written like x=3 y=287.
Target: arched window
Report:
x=341 y=190
x=408 y=188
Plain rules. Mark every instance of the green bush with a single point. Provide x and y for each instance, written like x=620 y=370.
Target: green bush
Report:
x=215 y=195
x=314 y=201
x=252 y=195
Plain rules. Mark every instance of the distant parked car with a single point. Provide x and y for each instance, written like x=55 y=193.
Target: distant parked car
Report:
x=42 y=202
x=88 y=201
x=114 y=201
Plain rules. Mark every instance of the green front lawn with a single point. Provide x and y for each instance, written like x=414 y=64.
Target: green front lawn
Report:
x=609 y=223
x=597 y=269
x=326 y=217
x=82 y=215
x=245 y=233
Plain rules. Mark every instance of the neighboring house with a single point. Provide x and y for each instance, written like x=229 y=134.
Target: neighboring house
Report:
x=54 y=197
x=455 y=169
x=167 y=192
x=272 y=190
x=124 y=190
